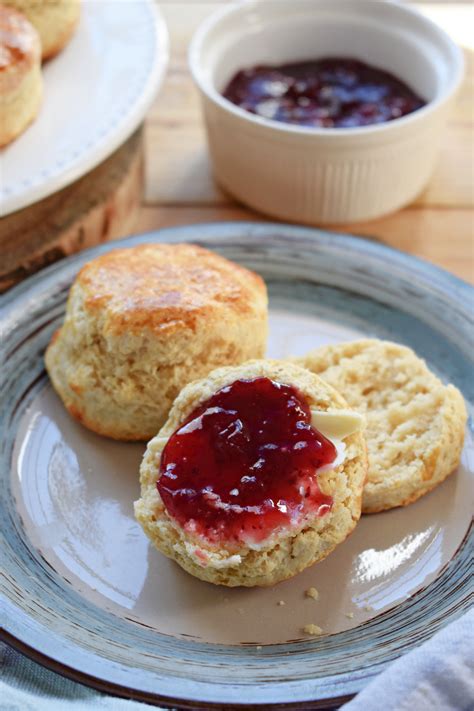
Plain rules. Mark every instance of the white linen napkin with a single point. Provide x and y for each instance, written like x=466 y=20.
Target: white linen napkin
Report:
x=436 y=676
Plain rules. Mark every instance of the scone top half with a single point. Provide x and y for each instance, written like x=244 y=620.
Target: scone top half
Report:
x=241 y=486
x=143 y=322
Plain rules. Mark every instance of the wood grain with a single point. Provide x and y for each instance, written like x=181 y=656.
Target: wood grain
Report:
x=100 y=206
x=443 y=237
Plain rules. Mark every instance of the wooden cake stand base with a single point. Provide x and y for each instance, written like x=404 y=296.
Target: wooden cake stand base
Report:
x=99 y=207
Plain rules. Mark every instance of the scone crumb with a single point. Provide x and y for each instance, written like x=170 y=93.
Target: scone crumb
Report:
x=312 y=592
x=259 y=646
x=281 y=602
x=368 y=608
x=313 y=630
x=350 y=615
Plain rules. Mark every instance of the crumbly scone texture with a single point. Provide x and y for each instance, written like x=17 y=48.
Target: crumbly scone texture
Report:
x=415 y=424
x=21 y=82
x=55 y=21
x=288 y=552
x=143 y=322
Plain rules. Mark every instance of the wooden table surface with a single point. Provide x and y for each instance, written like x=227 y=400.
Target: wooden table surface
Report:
x=179 y=189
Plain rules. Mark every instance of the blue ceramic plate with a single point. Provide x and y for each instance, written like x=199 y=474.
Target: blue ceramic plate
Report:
x=84 y=593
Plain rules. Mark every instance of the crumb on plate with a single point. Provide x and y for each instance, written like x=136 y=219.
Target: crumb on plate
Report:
x=312 y=629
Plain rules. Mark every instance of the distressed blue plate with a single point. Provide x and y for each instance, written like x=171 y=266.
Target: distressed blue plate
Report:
x=84 y=594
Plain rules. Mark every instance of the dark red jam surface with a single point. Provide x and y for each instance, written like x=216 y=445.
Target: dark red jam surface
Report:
x=244 y=464
x=327 y=93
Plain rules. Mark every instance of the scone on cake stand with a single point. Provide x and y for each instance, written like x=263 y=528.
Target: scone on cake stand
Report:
x=62 y=195
x=30 y=31
x=55 y=21
x=21 y=83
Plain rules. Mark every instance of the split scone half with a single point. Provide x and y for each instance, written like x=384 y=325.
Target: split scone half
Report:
x=257 y=474
x=415 y=424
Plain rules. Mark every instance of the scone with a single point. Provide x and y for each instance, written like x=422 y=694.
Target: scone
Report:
x=55 y=21
x=143 y=322
x=257 y=474
x=415 y=424
x=21 y=84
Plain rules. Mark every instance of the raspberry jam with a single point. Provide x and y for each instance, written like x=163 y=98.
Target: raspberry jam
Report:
x=327 y=93
x=244 y=464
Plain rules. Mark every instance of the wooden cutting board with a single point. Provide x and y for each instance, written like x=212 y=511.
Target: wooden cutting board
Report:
x=99 y=207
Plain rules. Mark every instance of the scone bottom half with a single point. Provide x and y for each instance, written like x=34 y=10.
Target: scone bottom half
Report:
x=141 y=323
x=257 y=474
x=415 y=423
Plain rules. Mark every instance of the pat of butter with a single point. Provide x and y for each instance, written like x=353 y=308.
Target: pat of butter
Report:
x=337 y=424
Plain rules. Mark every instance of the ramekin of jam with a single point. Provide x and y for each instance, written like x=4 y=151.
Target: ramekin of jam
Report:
x=322 y=93
x=324 y=111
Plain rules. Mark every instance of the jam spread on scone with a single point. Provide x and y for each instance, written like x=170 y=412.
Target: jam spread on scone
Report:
x=244 y=464
x=325 y=93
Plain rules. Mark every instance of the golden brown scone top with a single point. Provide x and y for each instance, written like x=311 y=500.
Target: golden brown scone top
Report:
x=19 y=41
x=166 y=286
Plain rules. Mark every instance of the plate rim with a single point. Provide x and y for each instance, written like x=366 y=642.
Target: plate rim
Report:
x=195 y=704
x=154 y=699
x=223 y=230
x=105 y=148
x=231 y=228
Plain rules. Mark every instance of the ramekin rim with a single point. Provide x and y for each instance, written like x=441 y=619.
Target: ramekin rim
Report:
x=296 y=130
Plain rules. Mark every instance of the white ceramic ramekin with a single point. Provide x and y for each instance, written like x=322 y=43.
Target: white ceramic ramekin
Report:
x=324 y=175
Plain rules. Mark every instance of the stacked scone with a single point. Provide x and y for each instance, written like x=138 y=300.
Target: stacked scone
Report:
x=21 y=84
x=54 y=20
x=255 y=468
x=30 y=31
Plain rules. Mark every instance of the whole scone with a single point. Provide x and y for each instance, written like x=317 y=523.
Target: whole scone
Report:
x=415 y=424
x=228 y=538
x=21 y=83
x=143 y=322
x=55 y=21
